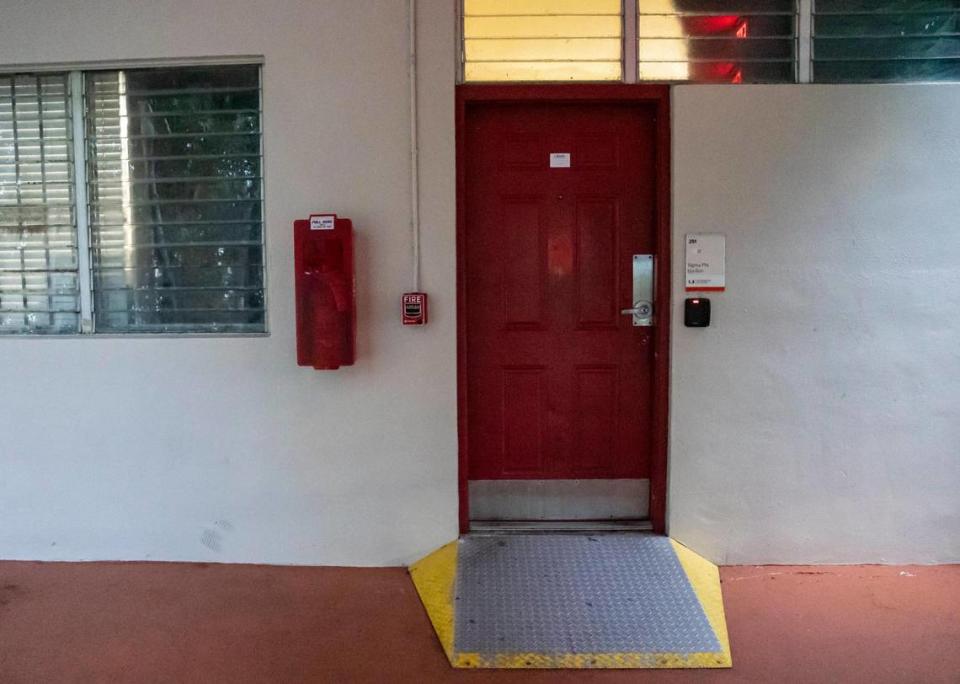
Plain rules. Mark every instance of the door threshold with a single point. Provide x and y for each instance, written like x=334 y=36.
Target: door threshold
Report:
x=554 y=526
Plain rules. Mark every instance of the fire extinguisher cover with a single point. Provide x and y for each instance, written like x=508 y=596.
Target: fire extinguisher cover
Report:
x=325 y=291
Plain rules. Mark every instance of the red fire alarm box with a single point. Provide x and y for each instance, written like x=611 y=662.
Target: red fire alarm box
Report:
x=413 y=309
x=325 y=291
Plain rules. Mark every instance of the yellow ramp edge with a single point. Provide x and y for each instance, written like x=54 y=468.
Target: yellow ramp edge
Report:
x=586 y=661
x=434 y=578
x=704 y=577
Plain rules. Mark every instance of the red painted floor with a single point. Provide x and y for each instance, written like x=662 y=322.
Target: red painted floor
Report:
x=159 y=622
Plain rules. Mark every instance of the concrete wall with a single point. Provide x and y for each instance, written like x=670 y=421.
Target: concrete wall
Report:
x=818 y=419
x=133 y=448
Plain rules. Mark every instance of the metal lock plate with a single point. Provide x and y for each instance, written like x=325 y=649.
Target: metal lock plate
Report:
x=643 y=274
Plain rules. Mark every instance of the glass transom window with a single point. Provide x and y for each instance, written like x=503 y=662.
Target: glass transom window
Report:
x=542 y=40
x=704 y=41
x=886 y=40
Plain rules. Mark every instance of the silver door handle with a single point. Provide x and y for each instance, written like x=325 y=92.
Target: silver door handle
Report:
x=642 y=309
x=643 y=278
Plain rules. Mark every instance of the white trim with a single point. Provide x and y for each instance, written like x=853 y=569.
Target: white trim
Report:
x=414 y=149
x=805 y=42
x=264 y=269
x=80 y=203
x=631 y=49
x=460 y=50
x=132 y=336
x=228 y=60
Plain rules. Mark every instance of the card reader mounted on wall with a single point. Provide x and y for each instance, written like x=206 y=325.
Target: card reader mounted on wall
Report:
x=696 y=312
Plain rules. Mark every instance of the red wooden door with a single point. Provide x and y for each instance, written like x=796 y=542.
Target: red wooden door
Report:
x=559 y=382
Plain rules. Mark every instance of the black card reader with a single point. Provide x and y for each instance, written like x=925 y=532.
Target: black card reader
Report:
x=696 y=312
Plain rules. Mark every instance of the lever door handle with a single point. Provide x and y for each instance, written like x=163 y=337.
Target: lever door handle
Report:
x=641 y=309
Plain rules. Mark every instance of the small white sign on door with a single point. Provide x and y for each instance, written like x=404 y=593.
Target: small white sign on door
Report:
x=706 y=262
x=559 y=160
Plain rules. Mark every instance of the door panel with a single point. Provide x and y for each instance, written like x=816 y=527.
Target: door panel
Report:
x=521 y=414
x=559 y=383
x=522 y=281
x=595 y=417
x=596 y=272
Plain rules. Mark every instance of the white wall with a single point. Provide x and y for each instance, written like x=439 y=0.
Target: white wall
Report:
x=818 y=418
x=136 y=449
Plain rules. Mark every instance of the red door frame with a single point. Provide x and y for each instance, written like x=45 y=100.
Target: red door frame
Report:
x=659 y=97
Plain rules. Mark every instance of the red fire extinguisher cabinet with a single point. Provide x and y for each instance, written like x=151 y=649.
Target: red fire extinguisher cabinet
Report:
x=325 y=291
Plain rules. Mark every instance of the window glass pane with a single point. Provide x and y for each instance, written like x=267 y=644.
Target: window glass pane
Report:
x=883 y=6
x=886 y=40
x=542 y=40
x=740 y=41
x=39 y=290
x=175 y=184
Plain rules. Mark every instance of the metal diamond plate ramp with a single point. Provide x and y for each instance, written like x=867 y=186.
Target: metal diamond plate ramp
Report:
x=555 y=601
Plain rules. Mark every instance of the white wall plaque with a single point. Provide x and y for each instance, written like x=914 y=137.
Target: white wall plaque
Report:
x=706 y=262
x=323 y=222
x=559 y=160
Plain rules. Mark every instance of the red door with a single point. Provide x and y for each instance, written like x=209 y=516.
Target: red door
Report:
x=558 y=200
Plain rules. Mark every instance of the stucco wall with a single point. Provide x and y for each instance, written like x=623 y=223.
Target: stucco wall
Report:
x=134 y=449
x=818 y=418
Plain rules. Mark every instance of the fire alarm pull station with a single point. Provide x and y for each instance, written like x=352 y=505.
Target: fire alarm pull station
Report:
x=325 y=291
x=414 y=308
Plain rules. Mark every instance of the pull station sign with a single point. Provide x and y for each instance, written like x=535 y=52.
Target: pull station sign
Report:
x=323 y=221
x=414 y=308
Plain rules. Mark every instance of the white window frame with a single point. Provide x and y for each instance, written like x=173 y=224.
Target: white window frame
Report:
x=75 y=72
x=84 y=265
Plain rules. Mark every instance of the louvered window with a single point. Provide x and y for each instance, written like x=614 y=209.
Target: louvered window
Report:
x=542 y=40
x=174 y=175
x=704 y=41
x=711 y=41
x=886 y=40
x=131 y=201
x=39 y=284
